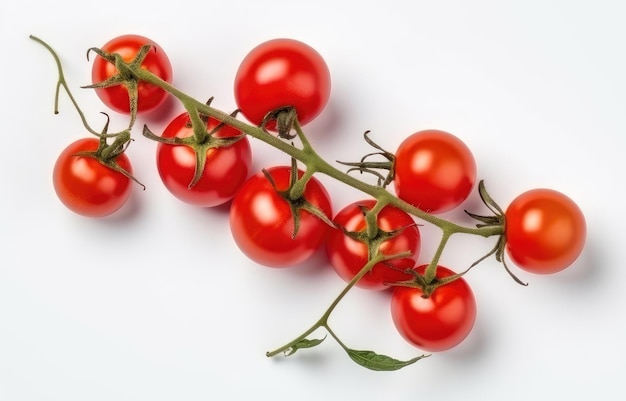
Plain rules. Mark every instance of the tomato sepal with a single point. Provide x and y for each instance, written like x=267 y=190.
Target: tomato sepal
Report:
x=125 y=75
x=497 y=219
x=285 y=119
x=421 y=282
x=372 y=167
x=106 y=154
x=201 y=141
x=299 y=203
x=374 y=242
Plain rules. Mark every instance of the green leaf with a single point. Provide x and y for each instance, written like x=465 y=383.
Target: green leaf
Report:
x=306 y=343
x=378 y=362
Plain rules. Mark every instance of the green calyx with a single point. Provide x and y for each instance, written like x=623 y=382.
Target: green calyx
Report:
x=202 y=141
x=498 y=220
x=372 y=167
x=107 y=154
x=125 y=75
x=298 y=203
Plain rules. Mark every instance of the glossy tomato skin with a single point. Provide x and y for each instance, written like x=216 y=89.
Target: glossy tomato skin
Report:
x=224 y=173
x=279 y=73
x=262 y=225
x=439 y=322
x=545 y=231
x=434 y=171
x=87 y=187
x=149 y=96
x=347 y=255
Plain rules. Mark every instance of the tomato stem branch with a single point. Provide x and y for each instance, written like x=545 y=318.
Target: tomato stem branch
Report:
x=62 y=82
x=312 y=160
x=323 y=321
x=431 y=269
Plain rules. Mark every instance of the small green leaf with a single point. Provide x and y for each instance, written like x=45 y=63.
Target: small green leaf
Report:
x=306 y=343
x=378 y=362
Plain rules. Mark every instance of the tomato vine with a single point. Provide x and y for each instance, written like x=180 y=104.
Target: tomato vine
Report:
x=205 y=121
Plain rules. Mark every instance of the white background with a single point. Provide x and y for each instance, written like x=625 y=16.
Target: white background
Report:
x=156 y=303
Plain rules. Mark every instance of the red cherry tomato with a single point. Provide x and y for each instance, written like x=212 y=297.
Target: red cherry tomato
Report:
x=348 y=255
x=262 y=223
x=86 y=186
x=545 y=231
x=280 y=73
x=439 y=322
x=156 y=61
x=225 y=170
x=434 y=171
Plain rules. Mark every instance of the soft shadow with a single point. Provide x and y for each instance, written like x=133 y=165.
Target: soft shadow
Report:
x=590 y=269
x=162 y=114
x=314 y=360
x=129 y=213
x=314 y=266
x=221 y=210
x=327 y=123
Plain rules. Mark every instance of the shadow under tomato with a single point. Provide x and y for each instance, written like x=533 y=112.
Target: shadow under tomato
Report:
x=129 y=213
x=588 y=271
x=315 y=360
x=326 y=124
x=475 y=346
x=315 y=266
x=162 y=114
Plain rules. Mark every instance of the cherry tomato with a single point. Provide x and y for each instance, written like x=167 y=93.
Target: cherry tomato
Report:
x=348 y=255
x=156 y=61
x=280 y=73
x=262 y=223
x=434 y=171
x=545 y=231
x=86 y=186
x=439 y=322
x=225 y=170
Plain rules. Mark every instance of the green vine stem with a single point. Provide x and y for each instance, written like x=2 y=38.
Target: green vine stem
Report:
x=106 y=153
x=307 y=155
x=323 y=321
x=62 y=83
x=367 y=359
x=313 y=162
x=316 y=164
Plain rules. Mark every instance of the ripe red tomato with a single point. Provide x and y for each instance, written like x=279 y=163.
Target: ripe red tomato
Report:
x=439 y=322
x=225 y=170
x=262 y=223
x=280 y=73
x=545 y=231
x=434 y=170
x=86 y=186
x=156 y=61
x=348 y=255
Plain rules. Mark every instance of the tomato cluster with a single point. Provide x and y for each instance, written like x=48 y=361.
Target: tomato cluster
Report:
x=282 y=215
